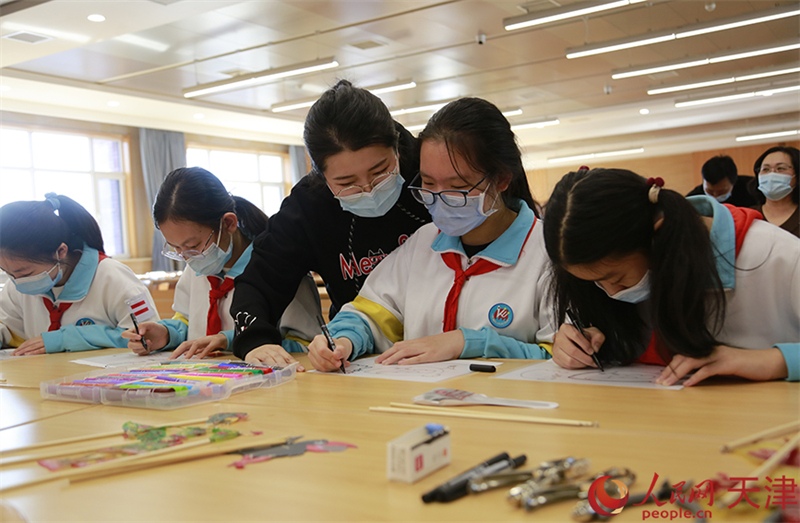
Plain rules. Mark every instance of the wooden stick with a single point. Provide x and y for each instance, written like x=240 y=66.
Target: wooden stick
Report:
x=98 y=435
x=403 y=408
x=223 y=447
x=765 y=468
x=64 y=474
x=774 y=432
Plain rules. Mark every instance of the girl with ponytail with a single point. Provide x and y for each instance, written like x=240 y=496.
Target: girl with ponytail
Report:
x=684 y=282
x=212 y=232
x=64 y=293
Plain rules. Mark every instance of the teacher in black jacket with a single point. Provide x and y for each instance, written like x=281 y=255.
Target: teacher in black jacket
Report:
x=339 y=221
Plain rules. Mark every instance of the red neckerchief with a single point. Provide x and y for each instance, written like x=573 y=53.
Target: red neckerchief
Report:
x=220 y=287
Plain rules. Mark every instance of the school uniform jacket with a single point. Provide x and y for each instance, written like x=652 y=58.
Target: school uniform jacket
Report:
x=98 y=291
x=505 y=313
x=191 y=306
x=762 y=284
x=312 y=232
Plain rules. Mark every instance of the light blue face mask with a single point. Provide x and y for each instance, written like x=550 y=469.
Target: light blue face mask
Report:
x=40 y=283
x=635 y=294
x=775 y=186
x=458 y=221
x=212 y=260
x=722 y=198
x=376 y=202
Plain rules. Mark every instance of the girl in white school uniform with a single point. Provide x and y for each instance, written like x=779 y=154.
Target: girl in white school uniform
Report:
x=64 y=293
x=473 y=283
x=684 y=282
x=213 y=232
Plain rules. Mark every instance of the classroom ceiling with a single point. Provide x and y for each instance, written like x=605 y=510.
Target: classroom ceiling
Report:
x=133 y=67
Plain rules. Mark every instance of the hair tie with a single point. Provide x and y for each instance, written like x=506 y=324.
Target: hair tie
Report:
x=655 y=187
x=53 y=199
x=583 y=168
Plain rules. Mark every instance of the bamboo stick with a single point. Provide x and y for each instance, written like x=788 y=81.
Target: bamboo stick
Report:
x=774 y=432
x=404 y=408
x=97 y=435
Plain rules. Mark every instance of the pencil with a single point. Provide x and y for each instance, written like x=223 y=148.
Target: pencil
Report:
x=578 y=325
x=774 y=432
x=331 y=343
x=408 y=408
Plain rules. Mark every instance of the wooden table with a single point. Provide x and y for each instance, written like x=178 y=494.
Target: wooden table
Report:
x=675 y=434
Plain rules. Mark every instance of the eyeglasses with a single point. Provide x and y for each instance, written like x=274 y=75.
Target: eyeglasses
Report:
x=358 y=190
x=450 y=197
x=782 y=168
x=182 y=255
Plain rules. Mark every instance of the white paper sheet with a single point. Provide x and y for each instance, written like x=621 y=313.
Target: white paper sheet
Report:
x=5 y=354
x=124 y=358
x=636 y=375
x=423 y=372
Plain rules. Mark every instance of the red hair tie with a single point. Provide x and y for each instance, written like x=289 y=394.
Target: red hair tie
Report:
x=655 y=187
x=583 y=168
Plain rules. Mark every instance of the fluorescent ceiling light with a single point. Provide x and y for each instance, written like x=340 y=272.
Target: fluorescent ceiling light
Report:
x=435 y=106
x=511 y=112
x=535 y=125
x=737 y=96
x=767 y=136
x=589 y=156
x=722 y=81
x=146 y=43
x=249 y=80
x=685 y=32
x=377 y=89
x=392 y=87
x=563 y=13
x=696 y=62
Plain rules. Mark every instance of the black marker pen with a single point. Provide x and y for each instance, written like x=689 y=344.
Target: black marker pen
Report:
x=457 y=487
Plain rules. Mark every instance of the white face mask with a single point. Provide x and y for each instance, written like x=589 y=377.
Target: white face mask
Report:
x=212 y=260
x=775 y=186
x=378 y=201
x=457 y=221
x=40 y=283
x=635 y=294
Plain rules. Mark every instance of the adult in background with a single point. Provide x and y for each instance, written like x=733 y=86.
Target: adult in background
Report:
x=776 y=173
x=339 y=221
x=722 y=182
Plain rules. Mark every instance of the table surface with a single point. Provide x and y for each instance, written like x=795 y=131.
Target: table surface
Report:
x=675 y=434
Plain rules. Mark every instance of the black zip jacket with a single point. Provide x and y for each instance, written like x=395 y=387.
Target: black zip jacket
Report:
x=311 y=232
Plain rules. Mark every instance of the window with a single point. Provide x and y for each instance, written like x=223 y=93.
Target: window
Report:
x=257 y=177
x=90 y=169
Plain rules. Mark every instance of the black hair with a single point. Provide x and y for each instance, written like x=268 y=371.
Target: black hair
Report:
x=476 y=130
x=607 y=213
x=791 y=152
x=33 y=230
x=193 y=194
x=718 y=168
x=346 y=118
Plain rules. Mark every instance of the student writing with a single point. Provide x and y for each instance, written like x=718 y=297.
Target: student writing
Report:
x=473 y=283
x=213 y=232
x=666 y=279
x=65 y=294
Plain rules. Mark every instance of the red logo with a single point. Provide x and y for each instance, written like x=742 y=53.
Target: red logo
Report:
x=602 y=501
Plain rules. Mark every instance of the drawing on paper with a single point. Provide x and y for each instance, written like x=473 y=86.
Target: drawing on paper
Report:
x=636 y=375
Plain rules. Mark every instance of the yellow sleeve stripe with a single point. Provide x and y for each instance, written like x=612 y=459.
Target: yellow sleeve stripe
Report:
x=299 y=340
x=390 y=326
x=16 y=340
x=547 y=346
x=180 y=317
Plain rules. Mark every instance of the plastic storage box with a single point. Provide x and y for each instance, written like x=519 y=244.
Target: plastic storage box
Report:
x=167 y=385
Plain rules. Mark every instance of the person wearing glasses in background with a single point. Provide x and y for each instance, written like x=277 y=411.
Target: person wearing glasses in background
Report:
x=212 y=232
x=474 y=282
x=776 y=175
x=339 y=221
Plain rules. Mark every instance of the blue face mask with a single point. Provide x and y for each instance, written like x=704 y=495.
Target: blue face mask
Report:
x=376 y=202
x=775 y=186
x=458 y=221
x=41 y=283
x=212 y=260
x=635 y=294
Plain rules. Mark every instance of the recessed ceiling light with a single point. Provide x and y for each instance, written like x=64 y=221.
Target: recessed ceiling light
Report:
x=112 y=103
x=644 y=111
x=96 y=18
